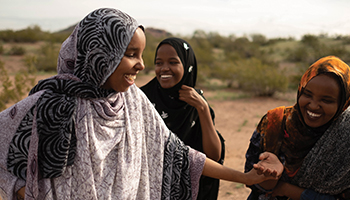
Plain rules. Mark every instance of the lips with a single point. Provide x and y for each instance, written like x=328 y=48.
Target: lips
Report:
x=312 y=114
x=130 y=77
x=165 y=76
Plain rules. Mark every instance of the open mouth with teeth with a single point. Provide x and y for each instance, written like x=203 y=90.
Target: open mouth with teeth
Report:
x=312 y=115
x=165 y=76
x=130 y=77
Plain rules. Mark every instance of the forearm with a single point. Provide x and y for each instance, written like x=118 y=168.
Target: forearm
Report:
x=293 y=192
x=218 y=171
x=288 y=190
x=210 y=139
x=269 y=184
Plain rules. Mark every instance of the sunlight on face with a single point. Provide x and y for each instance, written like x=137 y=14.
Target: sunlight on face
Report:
x=125 y=74
x=168 y=67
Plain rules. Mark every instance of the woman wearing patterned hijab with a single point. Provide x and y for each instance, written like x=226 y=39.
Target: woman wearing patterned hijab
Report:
x=183 y=108
x=90 y=133
x=311 y=138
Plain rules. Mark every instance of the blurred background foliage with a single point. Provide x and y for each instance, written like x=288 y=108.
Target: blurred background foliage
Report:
x=251 y=63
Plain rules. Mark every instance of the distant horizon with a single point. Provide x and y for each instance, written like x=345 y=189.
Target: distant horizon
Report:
x=61 y=28
x=271 y=18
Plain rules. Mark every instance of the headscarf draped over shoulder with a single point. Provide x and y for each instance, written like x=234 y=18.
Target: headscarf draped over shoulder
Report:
x=284 y=132
x=86 y=59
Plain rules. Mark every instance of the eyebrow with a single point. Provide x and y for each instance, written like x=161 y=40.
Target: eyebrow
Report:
x=325 y=96
x=169 y=58
x=132 y=49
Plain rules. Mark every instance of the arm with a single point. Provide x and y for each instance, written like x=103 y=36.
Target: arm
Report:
x=253 y=156
x=215 y=170
x=297 y=193
x=288 y=190
x=210 y=139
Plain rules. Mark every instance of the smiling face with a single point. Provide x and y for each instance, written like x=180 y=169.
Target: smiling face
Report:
x=130 y=65
x=319 y=101
x=168 y=66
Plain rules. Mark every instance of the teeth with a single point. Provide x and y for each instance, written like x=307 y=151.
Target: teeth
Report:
x=313 y=114
x=166 y=76
x=130 y=77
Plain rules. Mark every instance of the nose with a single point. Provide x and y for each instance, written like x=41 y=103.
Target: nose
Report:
x=140 y=65
x=165 y=67
x=314 y=105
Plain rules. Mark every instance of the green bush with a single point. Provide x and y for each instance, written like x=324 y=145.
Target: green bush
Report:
x=47 y=58
x=13 y=91
x=259 y=78
x=17 y=51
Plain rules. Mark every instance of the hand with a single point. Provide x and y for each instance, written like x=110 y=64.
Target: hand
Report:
x=253 y=177
x=191 y=96
x=269 y=165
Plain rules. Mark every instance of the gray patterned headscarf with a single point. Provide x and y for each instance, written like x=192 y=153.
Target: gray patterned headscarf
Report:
x=100 y=41
x=87 y=58
x=71 y=139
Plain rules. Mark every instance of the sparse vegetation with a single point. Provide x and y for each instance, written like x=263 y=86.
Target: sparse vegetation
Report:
x=253 y=64
x=17 y=51
x=13 y=90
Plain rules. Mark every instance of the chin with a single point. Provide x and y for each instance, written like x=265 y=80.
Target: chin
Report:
x=123 y=89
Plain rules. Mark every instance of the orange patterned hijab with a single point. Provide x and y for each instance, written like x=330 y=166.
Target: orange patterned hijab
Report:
x=334 y=65
x=283 y=129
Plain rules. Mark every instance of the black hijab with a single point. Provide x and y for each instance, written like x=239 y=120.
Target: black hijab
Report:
x=180 y=117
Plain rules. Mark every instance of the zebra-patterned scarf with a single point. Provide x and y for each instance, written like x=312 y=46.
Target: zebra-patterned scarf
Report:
x=101 y=40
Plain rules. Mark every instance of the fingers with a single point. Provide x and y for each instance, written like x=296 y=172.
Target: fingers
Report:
x=259 y=169
x=189 y=95
x=274 y=173
x=264 y=156
x=185 y=87
x=266 y=171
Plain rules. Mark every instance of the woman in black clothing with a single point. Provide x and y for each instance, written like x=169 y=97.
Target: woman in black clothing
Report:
x=184 y=108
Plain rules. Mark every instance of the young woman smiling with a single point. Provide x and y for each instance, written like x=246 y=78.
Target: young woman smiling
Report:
x=90 y=133
x=184 y=108
x=311 y=138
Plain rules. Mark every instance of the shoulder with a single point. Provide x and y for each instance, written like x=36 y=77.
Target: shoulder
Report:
x=272 y=119
x=343 y=120
x=135 y=93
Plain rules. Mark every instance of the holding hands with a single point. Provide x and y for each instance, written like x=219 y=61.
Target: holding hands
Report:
x=269 y=165
x=269 y=168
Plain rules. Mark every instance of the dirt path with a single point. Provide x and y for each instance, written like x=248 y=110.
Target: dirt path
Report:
x=236 y=121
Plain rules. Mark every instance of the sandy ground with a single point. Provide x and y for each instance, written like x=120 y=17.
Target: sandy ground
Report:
x=236 y=121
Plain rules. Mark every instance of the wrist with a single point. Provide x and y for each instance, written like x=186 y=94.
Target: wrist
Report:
x=202 y=108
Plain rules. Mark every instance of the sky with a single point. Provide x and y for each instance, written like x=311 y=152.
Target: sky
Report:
x=271 y=18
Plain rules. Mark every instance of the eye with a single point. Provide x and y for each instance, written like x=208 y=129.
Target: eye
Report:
x=174 y=62
x=328 y=101
x=306 y=94
x=130 y=55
